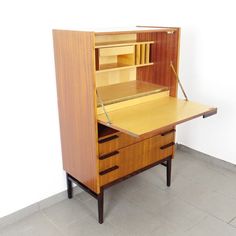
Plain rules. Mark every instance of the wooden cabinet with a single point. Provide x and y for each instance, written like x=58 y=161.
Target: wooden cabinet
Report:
x=117 y=104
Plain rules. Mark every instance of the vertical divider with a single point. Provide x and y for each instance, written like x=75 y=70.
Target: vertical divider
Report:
x=97 y=59
x=147 y=53
x=137 y=54
x=142 y=53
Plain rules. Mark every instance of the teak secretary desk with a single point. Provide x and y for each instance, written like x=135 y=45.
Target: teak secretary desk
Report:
x=117 y=104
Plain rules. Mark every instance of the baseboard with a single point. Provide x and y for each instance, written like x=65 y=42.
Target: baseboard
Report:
x=29 y=210
x=210 y=159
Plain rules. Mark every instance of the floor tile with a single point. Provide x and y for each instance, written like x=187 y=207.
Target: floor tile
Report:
x=66 y=212
x=150 y=198
x=132 y=219
x=166 y=229
x=211 y=226
x=125 y=188
x=181 y=215
x=89 y=226
x=83 y=196
x=194 y=193
x=36 y=225
x=233 y=222
x=219 y=205
x=155 y=177
x=91 y=206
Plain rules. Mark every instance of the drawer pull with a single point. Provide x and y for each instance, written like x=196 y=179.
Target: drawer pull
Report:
x=167 y=145
x=108 y=139
x=108 y=155
x=168 y=132
x=108 y=170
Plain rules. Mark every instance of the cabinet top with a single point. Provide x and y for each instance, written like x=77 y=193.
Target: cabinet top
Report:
x=125 y=30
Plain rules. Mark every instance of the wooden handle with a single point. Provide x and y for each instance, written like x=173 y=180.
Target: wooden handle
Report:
x=167 y=145
x=108 y=170
x=168 y=132
x=108 y=155
x=108 y=139
x=210 y=113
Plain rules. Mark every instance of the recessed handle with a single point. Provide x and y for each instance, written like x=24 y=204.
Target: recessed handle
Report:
x=108 y=155
x=108 y=139
x=168 y=132
x=167 y=145
x=108 y=170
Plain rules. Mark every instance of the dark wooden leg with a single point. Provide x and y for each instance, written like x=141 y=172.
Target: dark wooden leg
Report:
x=168 y=172
x=69 y=187
x=100 y=206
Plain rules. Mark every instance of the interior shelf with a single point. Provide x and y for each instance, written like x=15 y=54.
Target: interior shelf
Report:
x=119 y=66
x=120 y=43
x=128 y=90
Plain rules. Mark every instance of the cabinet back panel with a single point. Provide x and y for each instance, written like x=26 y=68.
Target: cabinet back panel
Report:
x=163 y=51
x=115 y=77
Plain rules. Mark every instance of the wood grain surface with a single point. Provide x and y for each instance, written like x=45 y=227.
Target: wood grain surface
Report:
x=75 y=71
x=164 y=50
x=154 y=115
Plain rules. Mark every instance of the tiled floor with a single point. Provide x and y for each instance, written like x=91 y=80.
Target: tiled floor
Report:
x=201 y=201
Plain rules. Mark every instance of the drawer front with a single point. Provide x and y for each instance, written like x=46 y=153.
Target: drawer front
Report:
x=120 y=140
x=167 y=143
x=167 y=136
x=114 y=142
x=132 y=158
x=167 y=150
x=121 y=154
x=114 y=51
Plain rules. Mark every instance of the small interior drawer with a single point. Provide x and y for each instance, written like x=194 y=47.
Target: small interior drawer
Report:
x=115 y=51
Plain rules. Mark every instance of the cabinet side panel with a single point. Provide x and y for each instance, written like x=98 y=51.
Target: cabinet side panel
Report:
x=74 y=61
x=164 y=50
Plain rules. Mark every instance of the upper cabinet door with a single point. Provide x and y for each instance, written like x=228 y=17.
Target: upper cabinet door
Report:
x=154 y=116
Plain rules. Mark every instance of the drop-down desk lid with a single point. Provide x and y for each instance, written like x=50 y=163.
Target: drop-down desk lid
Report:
x=154 y=116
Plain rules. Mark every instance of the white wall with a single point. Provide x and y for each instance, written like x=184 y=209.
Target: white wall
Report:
x=30 y=156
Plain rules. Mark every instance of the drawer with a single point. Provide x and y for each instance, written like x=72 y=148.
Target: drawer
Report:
x=126 y=160
x=115 y=51
x=167 y=150
x=167 y=136
x=167 y=143
x=109 y=167
x=109 y=160
x=114 y=142
x=119 y=140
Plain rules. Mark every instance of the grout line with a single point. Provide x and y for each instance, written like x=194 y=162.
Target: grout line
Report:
x=204 y=211
x=51 y=222
x=197 y=223
x=232 y=220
